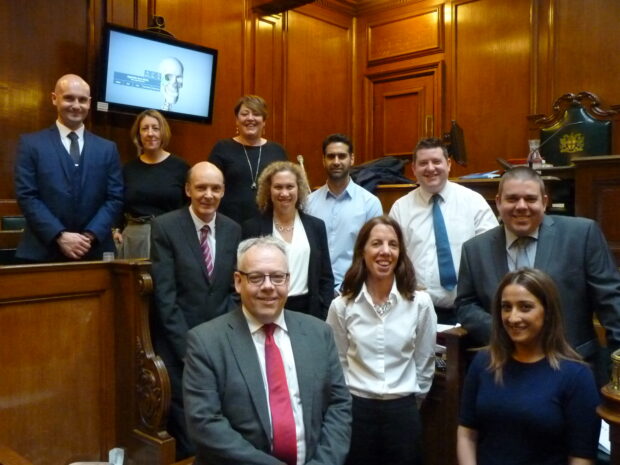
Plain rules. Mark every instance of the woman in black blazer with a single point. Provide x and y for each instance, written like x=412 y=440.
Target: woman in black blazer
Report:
x=282 y=191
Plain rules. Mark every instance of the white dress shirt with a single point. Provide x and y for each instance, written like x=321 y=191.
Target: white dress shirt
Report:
x=344 y=216
x=465 y=213
x=198 y=224
x=64 y=139
x=283 y=341
x=389 y=356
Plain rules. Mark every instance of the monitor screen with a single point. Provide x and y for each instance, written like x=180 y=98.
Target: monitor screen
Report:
x=143 y=69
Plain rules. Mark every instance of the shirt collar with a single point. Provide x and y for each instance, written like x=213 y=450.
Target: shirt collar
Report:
x=511 y=237
x=346 y=191
x=444 y=193
x=198 y=223
x=256 y=325
x=364 y=294
x=64 y=130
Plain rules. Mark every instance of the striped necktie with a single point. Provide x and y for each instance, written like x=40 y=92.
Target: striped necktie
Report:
x=206 y=248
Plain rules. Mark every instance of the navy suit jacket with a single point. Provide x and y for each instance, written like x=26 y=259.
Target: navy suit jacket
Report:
x=54 y=198
x=226 y=400
x=320 y=276
x=573 y=251
x=184 y=294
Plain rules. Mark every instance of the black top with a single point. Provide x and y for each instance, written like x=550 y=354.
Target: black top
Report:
x=153 y=189
x=239 y=202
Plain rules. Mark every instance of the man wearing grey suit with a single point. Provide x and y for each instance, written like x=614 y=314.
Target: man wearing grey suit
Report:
x=263 y=385
x=571 y=250
x=190 y=288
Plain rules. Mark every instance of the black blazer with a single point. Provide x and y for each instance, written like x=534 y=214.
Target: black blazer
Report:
x=320 y=276
x=574 y=253
x=184 y=295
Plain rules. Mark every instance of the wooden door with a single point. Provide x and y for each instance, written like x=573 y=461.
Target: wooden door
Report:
x=404 y=109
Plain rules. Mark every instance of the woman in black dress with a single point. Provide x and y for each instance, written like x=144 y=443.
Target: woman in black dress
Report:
x=243 y=158
x=154 y=184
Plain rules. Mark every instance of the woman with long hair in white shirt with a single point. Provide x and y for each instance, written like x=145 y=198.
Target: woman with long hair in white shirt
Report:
x=385 y=332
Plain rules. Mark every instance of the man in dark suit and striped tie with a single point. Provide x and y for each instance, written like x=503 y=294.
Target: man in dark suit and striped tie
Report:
x=193 y=252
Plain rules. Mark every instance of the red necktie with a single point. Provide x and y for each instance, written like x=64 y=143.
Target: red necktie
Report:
x=282 y=421
x=206 y=249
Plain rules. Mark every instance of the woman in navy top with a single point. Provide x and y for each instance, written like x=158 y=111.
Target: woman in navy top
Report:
x=528 y=399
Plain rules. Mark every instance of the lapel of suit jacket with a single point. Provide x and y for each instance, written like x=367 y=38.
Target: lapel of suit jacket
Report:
x=64 y=159
x=244 y=351
x=546 y=240
x=499 y=257
x=266 y=224
x=304 y=365
x=191 y=236
x=220 y=241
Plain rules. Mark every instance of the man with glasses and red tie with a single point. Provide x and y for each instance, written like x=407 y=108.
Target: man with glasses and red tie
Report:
x=193 y=253
x=263 y=385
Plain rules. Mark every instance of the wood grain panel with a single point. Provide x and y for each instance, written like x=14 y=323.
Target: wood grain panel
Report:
x=585 y=48
x=44 y=377
x=405 y=107
x=490 y=77
x=403 y=111
x=597 y=188
x=268 y=63
x=407 y=36
x=318 y=83
x=35 y=50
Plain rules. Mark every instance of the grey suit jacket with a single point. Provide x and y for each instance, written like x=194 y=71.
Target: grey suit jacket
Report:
x=184 y=296
x=226 y=402
x=574 y=253
x=54 y=196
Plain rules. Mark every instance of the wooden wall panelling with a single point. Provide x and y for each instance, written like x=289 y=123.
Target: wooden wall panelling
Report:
x=597 y=188
x=267 y=71
x=318 y=72
x=35 y=50
x=585 y=48
x=490 y=78
x=399 y=58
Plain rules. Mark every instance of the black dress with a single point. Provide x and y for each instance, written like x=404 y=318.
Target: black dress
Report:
x=239 y=201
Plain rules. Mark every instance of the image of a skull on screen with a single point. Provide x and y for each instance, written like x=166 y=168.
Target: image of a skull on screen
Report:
x=171 y=70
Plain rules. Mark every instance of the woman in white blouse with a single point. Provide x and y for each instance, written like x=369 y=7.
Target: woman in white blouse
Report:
x=282 y=192
x=385 y=333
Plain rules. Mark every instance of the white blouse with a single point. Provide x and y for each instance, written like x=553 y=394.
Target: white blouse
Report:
x=298 y=254
x=385 y=356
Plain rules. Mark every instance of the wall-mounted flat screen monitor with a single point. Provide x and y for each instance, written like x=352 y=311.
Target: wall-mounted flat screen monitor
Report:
x=143 y=69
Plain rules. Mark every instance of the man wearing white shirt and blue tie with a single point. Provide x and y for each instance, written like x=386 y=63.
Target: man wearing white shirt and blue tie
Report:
x=343 y=205
x=436 y=219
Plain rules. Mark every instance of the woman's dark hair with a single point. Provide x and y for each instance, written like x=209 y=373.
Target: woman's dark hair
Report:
x=554 y=344
x=357 y=273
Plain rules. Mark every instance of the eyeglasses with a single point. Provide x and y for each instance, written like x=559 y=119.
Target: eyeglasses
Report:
x=277 y=279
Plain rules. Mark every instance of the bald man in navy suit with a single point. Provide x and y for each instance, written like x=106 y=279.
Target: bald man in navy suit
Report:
x=68 y=183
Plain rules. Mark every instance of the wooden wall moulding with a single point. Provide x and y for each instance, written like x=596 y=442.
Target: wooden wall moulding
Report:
x=405 y=37
x=272 y=7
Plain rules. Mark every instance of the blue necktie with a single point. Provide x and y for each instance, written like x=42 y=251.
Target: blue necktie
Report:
x=447 y=275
